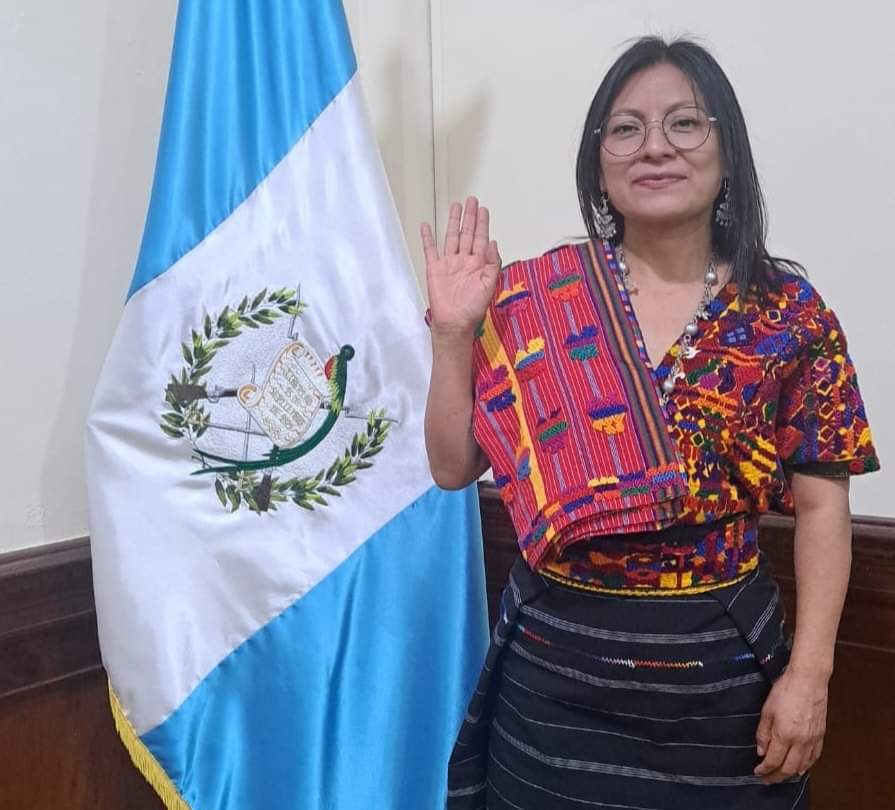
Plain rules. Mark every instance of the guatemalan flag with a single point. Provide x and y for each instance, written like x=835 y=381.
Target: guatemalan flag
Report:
x=290 y=613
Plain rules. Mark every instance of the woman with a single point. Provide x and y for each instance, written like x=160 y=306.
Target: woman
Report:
x=640 y=660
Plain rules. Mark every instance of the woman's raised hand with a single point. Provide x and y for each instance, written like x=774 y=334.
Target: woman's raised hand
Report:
x=461 y=280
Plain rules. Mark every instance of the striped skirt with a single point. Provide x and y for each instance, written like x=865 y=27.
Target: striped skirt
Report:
x=590 y=700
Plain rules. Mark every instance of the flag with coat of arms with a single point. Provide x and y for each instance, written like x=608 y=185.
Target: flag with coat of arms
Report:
x=291 y=614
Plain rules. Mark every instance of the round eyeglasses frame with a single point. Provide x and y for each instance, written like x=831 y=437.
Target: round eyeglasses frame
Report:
x=646 y=125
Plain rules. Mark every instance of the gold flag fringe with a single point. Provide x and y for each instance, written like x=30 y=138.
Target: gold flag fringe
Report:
x=143 y=760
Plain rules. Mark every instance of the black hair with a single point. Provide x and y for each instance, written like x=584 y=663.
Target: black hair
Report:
x=742 y=242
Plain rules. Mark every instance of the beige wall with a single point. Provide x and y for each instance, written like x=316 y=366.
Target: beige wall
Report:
x=83 y=86
x=392 y=39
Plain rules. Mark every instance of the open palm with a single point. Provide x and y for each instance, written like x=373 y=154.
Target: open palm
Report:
x=461 y=280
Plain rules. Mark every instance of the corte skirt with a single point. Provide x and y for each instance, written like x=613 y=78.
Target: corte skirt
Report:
x=591 y=700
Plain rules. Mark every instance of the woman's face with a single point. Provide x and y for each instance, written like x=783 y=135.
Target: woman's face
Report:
x=659 y=185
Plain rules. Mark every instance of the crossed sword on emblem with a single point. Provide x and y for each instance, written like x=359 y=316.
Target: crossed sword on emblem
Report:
x=187 y=393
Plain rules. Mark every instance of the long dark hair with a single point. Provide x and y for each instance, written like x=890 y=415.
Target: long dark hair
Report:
x=742 y=242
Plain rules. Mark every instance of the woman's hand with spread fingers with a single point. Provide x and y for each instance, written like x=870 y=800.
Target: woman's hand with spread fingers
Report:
x=462 y=278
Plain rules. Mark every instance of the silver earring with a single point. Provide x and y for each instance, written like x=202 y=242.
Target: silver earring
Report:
x=604 y=220
x=722 y=212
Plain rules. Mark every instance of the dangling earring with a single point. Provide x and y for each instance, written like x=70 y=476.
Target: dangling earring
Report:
x=604 y=220
x=722 y=212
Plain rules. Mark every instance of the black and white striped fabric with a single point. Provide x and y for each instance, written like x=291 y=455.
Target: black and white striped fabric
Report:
x=590 y=700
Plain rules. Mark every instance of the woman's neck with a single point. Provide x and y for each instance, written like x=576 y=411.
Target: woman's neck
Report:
x=671 y=256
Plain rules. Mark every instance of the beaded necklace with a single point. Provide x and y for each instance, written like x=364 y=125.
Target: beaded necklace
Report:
x=691 y=329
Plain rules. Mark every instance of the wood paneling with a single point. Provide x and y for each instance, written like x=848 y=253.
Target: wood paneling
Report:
x=59 y=750
x=47 y=618
x=58 y=746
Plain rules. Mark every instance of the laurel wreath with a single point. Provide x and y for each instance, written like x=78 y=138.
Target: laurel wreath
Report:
x=190 y=421
x=236 y=489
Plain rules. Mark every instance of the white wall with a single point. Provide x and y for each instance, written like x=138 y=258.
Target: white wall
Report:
x=83 y=85
x=82 y=89
x=513 y=80
x=391 y=38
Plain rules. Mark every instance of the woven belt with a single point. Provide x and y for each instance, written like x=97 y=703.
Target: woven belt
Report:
x=681 y=559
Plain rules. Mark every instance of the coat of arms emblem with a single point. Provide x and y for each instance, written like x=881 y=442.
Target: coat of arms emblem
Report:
x=290 y=410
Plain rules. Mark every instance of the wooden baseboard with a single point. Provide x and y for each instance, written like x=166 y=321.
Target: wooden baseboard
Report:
x=47 y=616
x=58 y=742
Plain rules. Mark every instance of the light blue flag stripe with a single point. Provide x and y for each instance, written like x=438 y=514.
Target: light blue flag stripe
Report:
x=352 y=697
x=247 y=79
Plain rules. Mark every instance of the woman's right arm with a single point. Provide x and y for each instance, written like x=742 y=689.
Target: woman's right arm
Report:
x=461 y=282
x=455 y=457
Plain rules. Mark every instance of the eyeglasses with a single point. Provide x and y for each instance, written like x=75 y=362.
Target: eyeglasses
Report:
x=685 y=128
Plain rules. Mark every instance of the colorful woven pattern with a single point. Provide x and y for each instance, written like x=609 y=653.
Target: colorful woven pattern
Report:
x=681 y=558
x=568 y=416
x=568 y=409
x=772 y=390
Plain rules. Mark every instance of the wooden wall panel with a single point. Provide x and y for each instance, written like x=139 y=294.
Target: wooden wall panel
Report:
x=59 y=750
x=58 y=746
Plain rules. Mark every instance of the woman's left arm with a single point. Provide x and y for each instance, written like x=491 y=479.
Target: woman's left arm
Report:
x=793 y=719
